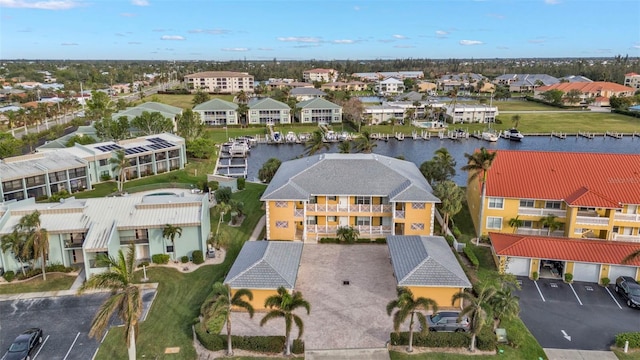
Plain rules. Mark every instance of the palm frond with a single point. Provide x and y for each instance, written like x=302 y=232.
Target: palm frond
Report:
x=107 y=309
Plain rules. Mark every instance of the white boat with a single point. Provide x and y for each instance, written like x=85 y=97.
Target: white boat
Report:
x=513 y=134
x=330 y=136
x=344 y=136
x=489 y=135
x=291 y=137
x=277 y=137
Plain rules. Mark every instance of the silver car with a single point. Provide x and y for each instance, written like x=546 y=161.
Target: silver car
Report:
x=448 y=321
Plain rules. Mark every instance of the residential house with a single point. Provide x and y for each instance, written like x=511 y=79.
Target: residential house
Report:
x=379 y=114
x=319 y=111
x=471 y=113
x=268 y=111
x=167 y=111
x=574 y=78
x=220 y=82
x=306 y=93
x=596 y=91
x=632 y=80
x=562 y=195
x=81 y=229
x=320 y=75
x=311 y=197
x=525 y=82
x=426 y=266
x=376 y=76
x=389 y=86
x=460 y=82
x=272 y=85
x=218 y=112
x=263 y=267
x=345 y=86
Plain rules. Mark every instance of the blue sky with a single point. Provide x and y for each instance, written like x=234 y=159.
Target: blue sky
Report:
x=312 y=29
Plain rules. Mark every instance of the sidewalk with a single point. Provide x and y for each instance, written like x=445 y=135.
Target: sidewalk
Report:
x=256 y=232
x=46 y=294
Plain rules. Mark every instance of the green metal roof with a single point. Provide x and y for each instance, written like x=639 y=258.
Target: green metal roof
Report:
x=216 y=104
x=318 y=103
x=268 y=104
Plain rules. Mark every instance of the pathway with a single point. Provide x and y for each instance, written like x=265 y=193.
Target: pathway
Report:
x=256 y=232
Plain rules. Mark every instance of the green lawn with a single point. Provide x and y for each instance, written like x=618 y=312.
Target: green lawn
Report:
x=631 y=355
x=180 y=295
x=522 y=105
x=569 y=122
x=54 y=282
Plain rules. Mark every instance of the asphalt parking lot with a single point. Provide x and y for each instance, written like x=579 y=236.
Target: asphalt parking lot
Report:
x=65 y=322
x=584 y=316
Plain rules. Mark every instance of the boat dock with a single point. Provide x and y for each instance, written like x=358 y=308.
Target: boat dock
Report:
x=232 y=158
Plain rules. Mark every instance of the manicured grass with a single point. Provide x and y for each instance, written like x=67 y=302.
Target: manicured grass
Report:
x=570 y=122
x=54 y=282
x=99 y=190
x=253 y=211
x=522 y=105
x=631 y=355
x=181 y=101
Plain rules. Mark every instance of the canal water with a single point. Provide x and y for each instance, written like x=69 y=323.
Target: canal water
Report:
x=418 y=151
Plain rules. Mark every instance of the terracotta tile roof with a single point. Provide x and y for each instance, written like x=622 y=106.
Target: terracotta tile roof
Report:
x=607 y=179
x=586 y=87
x=319 y=71
x=555 y=248
x=631 y=74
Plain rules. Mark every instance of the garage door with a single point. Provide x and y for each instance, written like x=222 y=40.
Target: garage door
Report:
x=617 y=270
x=586 y=272
x=518 y=266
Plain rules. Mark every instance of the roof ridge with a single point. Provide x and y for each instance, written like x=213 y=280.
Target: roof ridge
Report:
x=266 y=260
x=260 y=260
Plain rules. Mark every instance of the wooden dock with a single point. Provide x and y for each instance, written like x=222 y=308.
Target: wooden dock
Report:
x=559 y=135
x=586 y=135
x=615 y=135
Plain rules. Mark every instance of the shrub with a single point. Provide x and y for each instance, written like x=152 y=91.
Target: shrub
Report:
x=535 y=276
x=449 y=239
x=468 y=251
x=568 y=278
x=59 y=268
x=9 y=276
x=105 y=177
x=198 y=257
x=632 y=337
x=433 y=339
x=143 y=263
x=456 y=232
x=605 y=281
x=210 y=341
x=241 y=183
x=223 y=195
x=381 y=240
x=213 y=185
x=184 y=259
x=364 y=241
x=297 y=347
x=329 y=241
x=160 y=258
x=486 y=339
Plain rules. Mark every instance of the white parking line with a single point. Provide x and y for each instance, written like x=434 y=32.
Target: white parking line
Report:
x=539 y=292
x=101 y=341
x=41 y=346
x=71 y=347
x=575 y=293
x=613 y=297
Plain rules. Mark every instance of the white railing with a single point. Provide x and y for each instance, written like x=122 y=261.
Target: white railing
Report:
x=627 y=217
x=362 y=229
x=541 y=232
x=298 y=213
x=629 y=238
x=592 y=220
x=356 y=208
x=399 y=215
x=541 y=212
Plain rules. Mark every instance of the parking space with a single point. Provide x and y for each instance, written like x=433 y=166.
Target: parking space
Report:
x=582 y=316
x=65 y=322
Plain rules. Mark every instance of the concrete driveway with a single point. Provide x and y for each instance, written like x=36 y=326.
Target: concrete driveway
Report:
x=342 y=316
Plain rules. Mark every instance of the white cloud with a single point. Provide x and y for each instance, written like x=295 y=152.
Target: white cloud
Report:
x=120 y=34
x=140 y=2
x=172 y=37
x=470 y=42
x=636 y=46
x=265 y=49
x=69 y=44
x=209 y=31
x=344 y=41
x=237 y=49
x=503 y=47
x=41 y=5
x=357 y=8
x=128 y=14
x=385 y=40
x=306 y=46
x=441 y=32
x=396 y=36
x=552 y=2
x=300 y=39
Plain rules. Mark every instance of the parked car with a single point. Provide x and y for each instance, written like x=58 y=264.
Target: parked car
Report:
x=629 y=289
x=448 y=321
x=24 y=345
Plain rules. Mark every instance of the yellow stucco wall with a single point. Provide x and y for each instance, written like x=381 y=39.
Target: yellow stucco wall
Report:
x=419 y=216
x=259 y=296
x=281 y=214
x=441 y=295
x=569 y=267
x=534 y=266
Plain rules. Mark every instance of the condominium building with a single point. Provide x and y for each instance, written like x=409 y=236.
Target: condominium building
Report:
x=319 y=75
x=220 y=82
x=632 y=80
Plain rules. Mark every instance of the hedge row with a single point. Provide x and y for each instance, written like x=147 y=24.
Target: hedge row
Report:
x=263 y=344
x=485 y=340
x=632 y=337
x=359 y=241
x=626 y=112
x=468 y=251
x=160 y=258
x=198 y=257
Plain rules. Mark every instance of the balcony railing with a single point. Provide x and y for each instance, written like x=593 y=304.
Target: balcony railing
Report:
x=362 y=229
x=629 y=238
x=527 y=211
x=298 y=213
x=126 y=240
x=627 y=217
x=541 y=232
x=68 y=244
x=399 y=214
x=356 y=208
x=592 y=220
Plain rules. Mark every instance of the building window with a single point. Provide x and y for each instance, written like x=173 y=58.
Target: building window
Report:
x=527 y=203
x=363 y=221
x=331 y=219
x=282 y=224
x=418 y=206
x=527 y=224
x=496 y=203
x=363 y=200
x=417 y=226
x=553 y=205
x=282 y=204
x=331 y=198
x=311 y=220
x=494 y=222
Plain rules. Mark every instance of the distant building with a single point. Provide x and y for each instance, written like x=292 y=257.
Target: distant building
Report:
x=320 y=75
x=306 y=93
x=599 y=91
x=574 y=78
x=461 y=81
x=525 y=82
x=389 y=86
x=268 y=111
x=632 y=80
x=218 y=112
x=222 y=82
x=467 y=113
x=319 y=111
x=376 y=76
x=167 y=111
x=345 y=86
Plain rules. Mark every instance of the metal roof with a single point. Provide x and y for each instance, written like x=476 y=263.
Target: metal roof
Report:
x=19 y=167
x=317 y=103
x=267 y=104
x=215 y=104
x=299 y=91
x=266 y=265
x=425 y=261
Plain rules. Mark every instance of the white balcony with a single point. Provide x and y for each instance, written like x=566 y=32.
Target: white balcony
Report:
x=354 y=208
x=592 y=220
x=628 y=238
x=399 y=214
x=364 y=230
x=627 y=217
x=540 y=232
x=527 y=211
x=297 y=213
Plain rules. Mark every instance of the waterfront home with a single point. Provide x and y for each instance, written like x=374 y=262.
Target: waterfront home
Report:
x=167 y=111
x=319 y=111
x=220 y=82
x=306 y=93
x=389 y=86
x=632 y=80
x=525 y=82
x=601 y=90
x=471 y=113
x=268 y=111
x=217 y=112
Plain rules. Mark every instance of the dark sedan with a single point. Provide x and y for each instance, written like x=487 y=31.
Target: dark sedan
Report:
x=629 y=289
x=24 y=345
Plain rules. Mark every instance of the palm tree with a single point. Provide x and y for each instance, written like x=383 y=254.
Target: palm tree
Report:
x=221 y=209
x=476 y=310
x=504 y=305
x=118 y=165
x=125 y=299
x=515 y=119
x=315 y=143
x=551 y=223
x=347 y=234
x=344 y=147
x=15 y=241
x=635 y=255
x=451 y=197
x=170 y=232
x=283 y=305
x=364 y=143
x=515 y=223
x=478 y=165
x=269 y=169
x=222 y=303
x=36 y=238
x=408 y=307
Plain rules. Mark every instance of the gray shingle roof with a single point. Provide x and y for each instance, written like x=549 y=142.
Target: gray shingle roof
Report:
x=266 y=265
x=267 y=104
x=349 y=174
x=425 y=261
x=317 y=103
x=300 y=91
x=215 y=104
